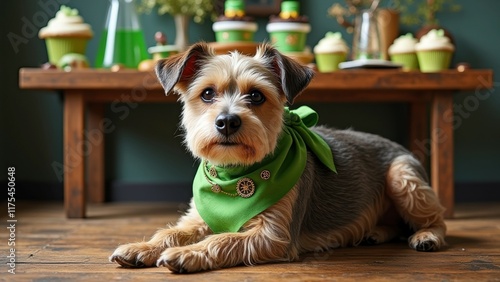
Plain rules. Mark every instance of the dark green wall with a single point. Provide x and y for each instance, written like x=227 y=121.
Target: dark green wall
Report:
x=145 y=145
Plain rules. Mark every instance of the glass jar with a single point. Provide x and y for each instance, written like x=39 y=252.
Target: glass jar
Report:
x=366 y=40
x=122 y=40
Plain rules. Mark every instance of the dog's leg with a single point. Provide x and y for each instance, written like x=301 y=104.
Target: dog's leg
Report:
x=381 y=234
x=417 y=203
x=265 y=238
x=190 y=229
x=388 y=226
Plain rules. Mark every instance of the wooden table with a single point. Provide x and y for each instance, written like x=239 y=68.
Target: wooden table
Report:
x=87 y=91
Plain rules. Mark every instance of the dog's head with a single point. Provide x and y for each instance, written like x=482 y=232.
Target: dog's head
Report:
x=233 y=104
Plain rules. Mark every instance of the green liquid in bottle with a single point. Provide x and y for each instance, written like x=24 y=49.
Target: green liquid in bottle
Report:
x=126 y=47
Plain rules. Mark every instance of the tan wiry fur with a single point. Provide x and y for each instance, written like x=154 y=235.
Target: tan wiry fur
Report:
x=415 y=201
x=379 y=187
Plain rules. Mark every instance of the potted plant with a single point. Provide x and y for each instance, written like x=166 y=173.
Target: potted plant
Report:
x=182 y=11
x=424 y=13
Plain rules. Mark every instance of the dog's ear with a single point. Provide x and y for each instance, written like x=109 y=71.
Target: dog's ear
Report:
x=181 y=69
x=293 y=76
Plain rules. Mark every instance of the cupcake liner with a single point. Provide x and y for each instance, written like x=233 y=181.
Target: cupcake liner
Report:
x=329 y=62
x=59 y=46
x=408 y=60
x=434 y=61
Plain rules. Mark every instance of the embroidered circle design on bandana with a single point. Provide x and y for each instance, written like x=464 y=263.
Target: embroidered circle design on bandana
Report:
x=212 y=171
x=216 y=188
x=265 y=174
x=245 y=187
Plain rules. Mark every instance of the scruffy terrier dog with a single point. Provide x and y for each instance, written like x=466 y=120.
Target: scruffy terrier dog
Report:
x=268 y=187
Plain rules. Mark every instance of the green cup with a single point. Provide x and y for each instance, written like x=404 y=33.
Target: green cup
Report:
x=290 y=6
x=234 y=5
x=234 y=31
x=234 y=36
x=288 y=36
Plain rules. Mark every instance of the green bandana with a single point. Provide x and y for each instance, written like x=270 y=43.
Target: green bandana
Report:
x=227 y=197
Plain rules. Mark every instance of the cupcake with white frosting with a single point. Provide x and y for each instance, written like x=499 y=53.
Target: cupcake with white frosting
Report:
x=434 y=51
x=330 y=51
x=65 y=33
x=402 y=51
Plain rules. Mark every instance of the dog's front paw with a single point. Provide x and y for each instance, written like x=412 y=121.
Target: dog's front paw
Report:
x=381 y=234
x=425 y=241
x=185 y=260
x=374 y=238
x=139 y=254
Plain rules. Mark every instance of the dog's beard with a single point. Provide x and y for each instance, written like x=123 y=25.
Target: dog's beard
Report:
x=246 y=147
x=250 y=144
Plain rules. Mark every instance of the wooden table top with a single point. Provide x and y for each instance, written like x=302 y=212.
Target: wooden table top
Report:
x=36 y=78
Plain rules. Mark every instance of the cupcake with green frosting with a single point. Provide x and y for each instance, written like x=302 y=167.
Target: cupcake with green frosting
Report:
x=434 y=51
x=234 y=25
x=288 y=31
x=65 y=33
x=330 y=52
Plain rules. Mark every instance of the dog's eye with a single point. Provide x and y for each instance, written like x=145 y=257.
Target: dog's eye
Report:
x=256 y=97
x=208 y=95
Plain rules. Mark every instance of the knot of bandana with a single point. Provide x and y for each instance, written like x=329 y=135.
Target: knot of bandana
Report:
x=298 y=121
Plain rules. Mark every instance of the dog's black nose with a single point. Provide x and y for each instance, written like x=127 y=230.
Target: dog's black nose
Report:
x=227 y=124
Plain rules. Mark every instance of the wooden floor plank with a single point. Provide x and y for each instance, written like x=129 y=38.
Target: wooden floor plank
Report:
x=50 y=247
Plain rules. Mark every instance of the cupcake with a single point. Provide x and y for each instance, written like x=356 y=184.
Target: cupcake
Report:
x=402 y=51
x=434 y=51
x=66 y=33
x=330 y=51
x=288 y=31
x=234 y=26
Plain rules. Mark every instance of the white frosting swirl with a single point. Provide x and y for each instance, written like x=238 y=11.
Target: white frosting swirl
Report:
x=434 y=40
x=331 y=43
x=403 y=44
x=66 y=24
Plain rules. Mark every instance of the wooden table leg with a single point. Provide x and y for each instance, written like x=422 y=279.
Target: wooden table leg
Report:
x=419 y=131
x=74 y=154
x=442 y=150
x=95 y=160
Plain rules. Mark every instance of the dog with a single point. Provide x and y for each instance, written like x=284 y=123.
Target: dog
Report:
x=331 y=188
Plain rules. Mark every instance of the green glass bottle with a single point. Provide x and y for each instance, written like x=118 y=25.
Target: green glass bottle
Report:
x=122 y=40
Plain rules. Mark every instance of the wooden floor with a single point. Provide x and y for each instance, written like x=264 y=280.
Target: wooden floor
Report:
x=50 y=247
